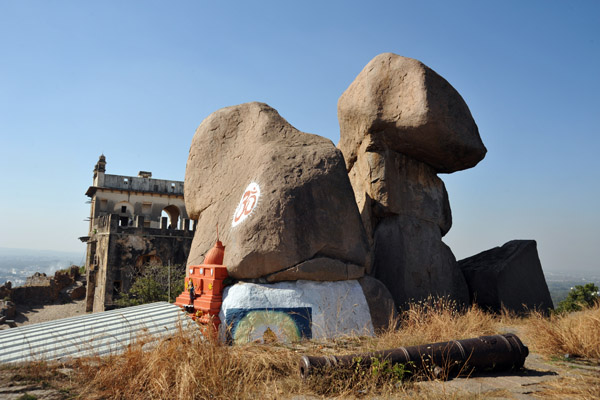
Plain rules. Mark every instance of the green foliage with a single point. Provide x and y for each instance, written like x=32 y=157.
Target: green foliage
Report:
x=580 y=297
x=82 y=270
x=382 y=370
x=151 y=284
x=27 y=396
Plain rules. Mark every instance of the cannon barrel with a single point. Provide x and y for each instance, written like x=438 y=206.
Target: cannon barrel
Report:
x=490 y=353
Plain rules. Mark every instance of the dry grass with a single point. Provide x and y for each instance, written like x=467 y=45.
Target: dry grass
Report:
x=438 y=320
x=186 y=367
x=576 y=334
x=583 y=386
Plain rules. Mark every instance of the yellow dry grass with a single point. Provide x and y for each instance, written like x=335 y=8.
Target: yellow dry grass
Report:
x=438 y=320
x=188 y=367
x=185 y=366
x=576 y=334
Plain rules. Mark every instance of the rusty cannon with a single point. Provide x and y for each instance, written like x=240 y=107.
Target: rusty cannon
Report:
x=484 y=353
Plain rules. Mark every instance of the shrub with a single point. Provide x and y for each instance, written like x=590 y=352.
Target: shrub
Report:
x=151 y=284
x=580 y=297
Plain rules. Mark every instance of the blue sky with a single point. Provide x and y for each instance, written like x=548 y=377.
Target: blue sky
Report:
x=134 y=79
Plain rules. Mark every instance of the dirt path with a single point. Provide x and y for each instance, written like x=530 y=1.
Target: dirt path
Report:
x=41 y=313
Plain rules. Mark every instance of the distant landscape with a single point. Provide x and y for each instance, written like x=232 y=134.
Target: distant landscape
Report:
x=560 y=283
x=17 y=264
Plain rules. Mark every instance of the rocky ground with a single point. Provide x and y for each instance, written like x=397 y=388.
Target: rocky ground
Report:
x=33 y=314
x=541 y=378
x=537 y=380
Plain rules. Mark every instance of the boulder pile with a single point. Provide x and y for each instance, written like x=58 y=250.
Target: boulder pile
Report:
x=291 y=207
x=400 y=125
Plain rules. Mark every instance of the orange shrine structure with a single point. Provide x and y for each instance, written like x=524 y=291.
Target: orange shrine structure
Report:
x=203 y=294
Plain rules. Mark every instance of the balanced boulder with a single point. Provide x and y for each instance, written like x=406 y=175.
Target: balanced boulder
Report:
x=400 y=125
x=407 y=106
x=389 y=183
x=510 y=276
x=281 y=199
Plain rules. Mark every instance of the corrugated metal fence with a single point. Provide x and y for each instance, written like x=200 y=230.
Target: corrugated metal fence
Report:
x=91 y=334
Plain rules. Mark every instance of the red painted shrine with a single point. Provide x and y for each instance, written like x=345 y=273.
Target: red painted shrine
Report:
x=203 y=294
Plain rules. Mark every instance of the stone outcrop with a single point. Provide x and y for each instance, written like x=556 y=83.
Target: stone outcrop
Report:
x=413 y=262
x=8 y=310
x=5 y=290
x=409 y=108
x=387 y=183
x=42 y=289
x=381 y=304
x=510 y=276
x=400 y=125
x=281 y=198
x=319 y=269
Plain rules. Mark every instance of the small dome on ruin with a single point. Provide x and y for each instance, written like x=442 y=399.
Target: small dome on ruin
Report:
x=215 y=255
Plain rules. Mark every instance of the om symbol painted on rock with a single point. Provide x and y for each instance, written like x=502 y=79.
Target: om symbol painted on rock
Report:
x=247 y=203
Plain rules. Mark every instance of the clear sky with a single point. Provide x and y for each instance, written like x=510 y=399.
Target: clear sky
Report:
x=134 y=79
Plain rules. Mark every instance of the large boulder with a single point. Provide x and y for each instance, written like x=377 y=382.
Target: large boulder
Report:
x=510 y=276
x=381 y=304
x=389 y=183
x=407 y=107
x=292 y=311
x=413 y=262
x=280 y=198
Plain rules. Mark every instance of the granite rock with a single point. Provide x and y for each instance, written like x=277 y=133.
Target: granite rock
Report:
x=413 y=262
x=510 y=276
x=407 y=107
x=280 y=196
x=381 y=304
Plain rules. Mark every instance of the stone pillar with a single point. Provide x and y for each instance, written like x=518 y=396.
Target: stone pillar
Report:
x=186 y=224
x=139 y=221
x=164 y=222
x=114 y=222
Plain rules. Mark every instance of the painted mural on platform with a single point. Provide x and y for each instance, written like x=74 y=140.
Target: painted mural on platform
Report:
x=278 y=324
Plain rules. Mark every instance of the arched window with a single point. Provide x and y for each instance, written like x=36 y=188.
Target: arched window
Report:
x=172 y=212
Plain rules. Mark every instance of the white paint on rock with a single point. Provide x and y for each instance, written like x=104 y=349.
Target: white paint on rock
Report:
x=338 y=308
x=247 y=204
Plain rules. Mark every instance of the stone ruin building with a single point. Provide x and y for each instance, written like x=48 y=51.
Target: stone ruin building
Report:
x=134 y=222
